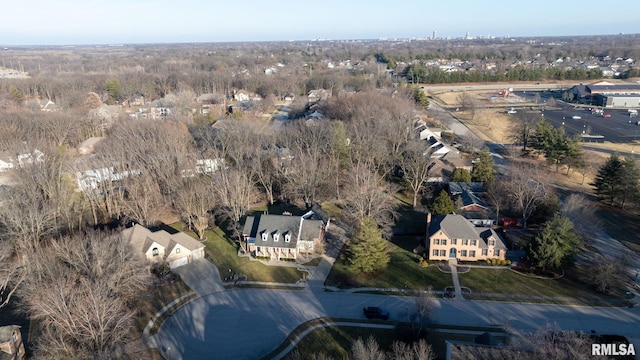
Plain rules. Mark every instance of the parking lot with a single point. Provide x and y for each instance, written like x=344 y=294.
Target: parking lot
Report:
x=616 y=127
x=581 y=121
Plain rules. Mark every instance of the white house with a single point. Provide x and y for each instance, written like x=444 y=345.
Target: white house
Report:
x=176 y=249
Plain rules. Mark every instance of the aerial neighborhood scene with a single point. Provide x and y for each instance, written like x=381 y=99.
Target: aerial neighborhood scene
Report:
x=201 y=180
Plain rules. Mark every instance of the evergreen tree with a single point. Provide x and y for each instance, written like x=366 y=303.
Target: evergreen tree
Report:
x=555 y=245
x=630 y=183
x=483 y=170
x=461 y=175
x=368 y=252
x=421 y=98
x=609 y=181
x=443 y=205
x=556 y=146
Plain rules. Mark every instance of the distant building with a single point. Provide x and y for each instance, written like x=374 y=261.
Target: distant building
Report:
x=608 y=95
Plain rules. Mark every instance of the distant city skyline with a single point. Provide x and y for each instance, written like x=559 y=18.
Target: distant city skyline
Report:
x=76 y=22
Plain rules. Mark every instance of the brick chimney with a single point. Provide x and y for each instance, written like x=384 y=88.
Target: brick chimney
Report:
x=428 y=222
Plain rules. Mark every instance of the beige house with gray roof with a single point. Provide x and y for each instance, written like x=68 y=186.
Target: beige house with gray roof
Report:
x=176 y=249
x=454 y=237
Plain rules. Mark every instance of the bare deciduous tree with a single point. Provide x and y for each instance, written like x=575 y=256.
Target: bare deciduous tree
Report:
x=369 y=350
x=80 y=289
x=368 y=195
x=194 y=200
x=550 y=342
x=527 y=187
x=419 y=350
x=235 y=191
x=415 y=169
x=582 y=213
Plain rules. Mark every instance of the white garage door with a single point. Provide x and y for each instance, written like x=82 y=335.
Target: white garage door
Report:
x=179 y=262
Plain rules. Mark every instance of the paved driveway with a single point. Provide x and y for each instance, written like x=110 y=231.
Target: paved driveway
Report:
x=249 y=323
x=201 y=276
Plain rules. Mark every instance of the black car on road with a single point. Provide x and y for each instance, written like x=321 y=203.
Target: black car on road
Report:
x=374 y=312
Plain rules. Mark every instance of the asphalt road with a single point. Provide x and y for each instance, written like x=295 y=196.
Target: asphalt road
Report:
x=249 y=323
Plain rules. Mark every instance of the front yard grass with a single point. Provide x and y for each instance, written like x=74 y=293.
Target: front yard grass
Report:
x=224 y=254
x=403 y=271
x=507 y=282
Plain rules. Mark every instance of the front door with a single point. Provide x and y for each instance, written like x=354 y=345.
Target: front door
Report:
x=453 y=253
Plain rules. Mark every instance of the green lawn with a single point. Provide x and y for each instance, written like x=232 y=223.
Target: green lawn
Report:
x=503 y=281
x=224 y=254
x=403 y=271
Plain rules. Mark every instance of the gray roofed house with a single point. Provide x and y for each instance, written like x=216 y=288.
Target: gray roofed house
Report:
x=282 y=236
x=473 y=206
x=453 y=236
x=176 y=249
x=11 y=345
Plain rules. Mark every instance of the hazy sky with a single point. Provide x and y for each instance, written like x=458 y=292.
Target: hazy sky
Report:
x=53 y=22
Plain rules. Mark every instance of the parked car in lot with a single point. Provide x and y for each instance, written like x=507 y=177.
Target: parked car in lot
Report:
x=374 y=312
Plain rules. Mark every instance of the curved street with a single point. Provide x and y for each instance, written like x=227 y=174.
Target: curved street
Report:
x=249 y=323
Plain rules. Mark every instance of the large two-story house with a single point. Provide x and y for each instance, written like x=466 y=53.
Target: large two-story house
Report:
x=454 y=237
x=280 y=237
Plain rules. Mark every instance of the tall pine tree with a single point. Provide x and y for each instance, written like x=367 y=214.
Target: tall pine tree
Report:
x=368 y=252
x=483 y=170
x=554 y=246
x=610 y=180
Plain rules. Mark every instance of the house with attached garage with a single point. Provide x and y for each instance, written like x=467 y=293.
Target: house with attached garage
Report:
x=11 y=345
x=160 y=246
x=280 y=237
x=454 y=237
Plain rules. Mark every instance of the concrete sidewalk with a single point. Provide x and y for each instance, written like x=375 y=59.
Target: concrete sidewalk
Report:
x=453 y=264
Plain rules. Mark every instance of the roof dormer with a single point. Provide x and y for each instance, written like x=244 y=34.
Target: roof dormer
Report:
x=264 y=236
x=287 y=237
x=276 y=236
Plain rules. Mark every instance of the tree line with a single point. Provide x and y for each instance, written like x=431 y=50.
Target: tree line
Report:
x=417 y=73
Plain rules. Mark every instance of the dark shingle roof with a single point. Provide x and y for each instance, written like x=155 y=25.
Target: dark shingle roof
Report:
x=276 y=227
x=455 y=226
